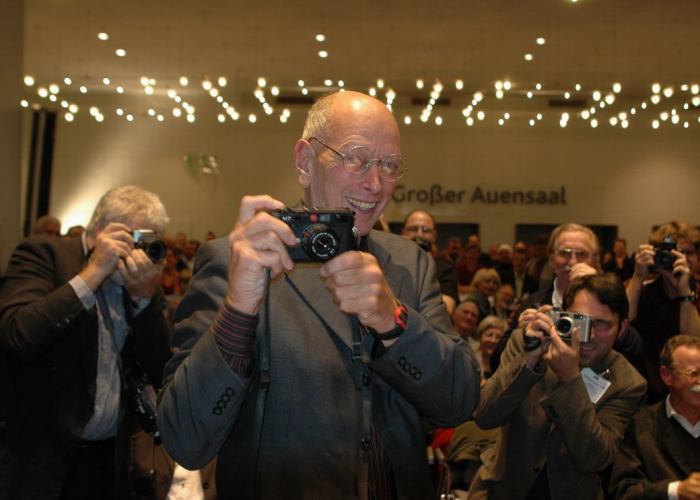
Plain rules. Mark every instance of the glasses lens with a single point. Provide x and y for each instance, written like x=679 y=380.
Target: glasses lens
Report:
x=355 y=159
x=391 y=167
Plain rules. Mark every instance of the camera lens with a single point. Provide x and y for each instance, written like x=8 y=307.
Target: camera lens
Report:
x=156 y=250
x=564 y=326
x=320 y=242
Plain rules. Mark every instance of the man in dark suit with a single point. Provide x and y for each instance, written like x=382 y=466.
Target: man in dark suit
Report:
x=660 y=456
x=562 y=408
x=325 y=397
x=75 y=316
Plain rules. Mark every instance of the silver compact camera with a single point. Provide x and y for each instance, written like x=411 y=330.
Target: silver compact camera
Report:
x=565 y=321
x=146 y=240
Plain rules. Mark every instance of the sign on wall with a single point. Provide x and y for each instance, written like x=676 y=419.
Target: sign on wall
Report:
x=437 y=194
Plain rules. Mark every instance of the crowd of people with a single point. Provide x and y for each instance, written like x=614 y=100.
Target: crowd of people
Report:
x=546 y=369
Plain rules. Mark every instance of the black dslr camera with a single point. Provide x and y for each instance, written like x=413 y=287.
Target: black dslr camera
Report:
x=663 y=258
x=322 y=234
x=146 y=240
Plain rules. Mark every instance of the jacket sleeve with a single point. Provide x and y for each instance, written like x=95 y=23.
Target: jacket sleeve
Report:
x=508 y=386
x=429 y=365
x=201 y=395
x=629 y=480
x=36 y=306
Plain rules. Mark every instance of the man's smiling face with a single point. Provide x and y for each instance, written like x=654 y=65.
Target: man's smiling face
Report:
x=355 y=120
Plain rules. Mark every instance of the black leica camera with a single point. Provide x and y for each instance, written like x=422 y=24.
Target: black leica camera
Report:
x=565 y=322
x=141 y=399
x=146 y=240
x=663 y=258
x=424 y=244
x=321 y=234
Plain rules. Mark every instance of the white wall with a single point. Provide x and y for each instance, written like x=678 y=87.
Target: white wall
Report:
x=633 y=178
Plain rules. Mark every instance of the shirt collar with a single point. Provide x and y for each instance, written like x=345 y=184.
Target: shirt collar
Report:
x=693 y=430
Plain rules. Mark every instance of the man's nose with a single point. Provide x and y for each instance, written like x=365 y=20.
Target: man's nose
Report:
x=371 y=180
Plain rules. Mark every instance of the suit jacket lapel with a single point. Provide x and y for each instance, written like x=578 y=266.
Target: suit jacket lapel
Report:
x=677 y=441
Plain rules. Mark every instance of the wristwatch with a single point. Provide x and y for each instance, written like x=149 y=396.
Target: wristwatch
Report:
x=400 y=322
x=692 y=297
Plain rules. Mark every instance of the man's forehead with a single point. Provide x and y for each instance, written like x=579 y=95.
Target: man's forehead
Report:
x=420 y=217
x=587 y=303
x=578 y=237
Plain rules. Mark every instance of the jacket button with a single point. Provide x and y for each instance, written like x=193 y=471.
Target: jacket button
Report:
x=217 y=411
x=402 y=361
x=364 y=443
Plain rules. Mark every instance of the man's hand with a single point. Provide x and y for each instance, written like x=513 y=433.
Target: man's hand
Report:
x=581 y=269
x=257 y=243
x=359 y=287
x=113 y=243
x=538 y=328
x=689 y=488
x=530 y=313
x=563 y=358
x=141 y=276
x=643 y=260
x=679 y=275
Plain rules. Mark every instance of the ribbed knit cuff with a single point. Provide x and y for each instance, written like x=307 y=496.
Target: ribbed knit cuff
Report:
x=234 y=334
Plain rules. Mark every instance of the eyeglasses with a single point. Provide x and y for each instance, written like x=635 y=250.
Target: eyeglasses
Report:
x=415 y=229
x=691 y=373
x=358 y=160
x=566 y=253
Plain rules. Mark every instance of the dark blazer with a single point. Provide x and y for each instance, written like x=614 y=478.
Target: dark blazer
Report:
x=314 y=440
x=656 y=451
x=544 y=422
x=49 y=342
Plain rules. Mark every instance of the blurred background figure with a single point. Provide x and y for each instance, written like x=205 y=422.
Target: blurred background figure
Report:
x=75 y=231
x=47 y=225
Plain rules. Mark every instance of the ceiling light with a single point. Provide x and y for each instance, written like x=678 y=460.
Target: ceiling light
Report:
x=328 y=82
x=206 y=84
x=305 y=91
x=695 y=88
x=42 y=92
x=577 y=87
x=160 y=118
x=322 y=54
x=481 y=115
x=617 y=87
x=613 y=120
x=67 y=81
x=380 y=83
x=106 y=81
x=656 y=88
x=538 y=86
x=407 y=120
x=501 y=121
x=529 y=94
x=532 y=122
x=541 y=41
x=53 y=88
x=214 y=92
x=184 y=81
x=320 y=37
x=177 y=112
x=594 y=122
x=274 y=90
x=120 y=52
x=609 y=99
x=148 y=90
x=120 y=112
x=64 y=104
x=655 y=124
x=341 y=83
x=252 y=118
x=696 y=101
x=262 y=82
x=668 y=91
x=24 y=103
x=459 y=84
x=528 y=57
x=103 y=36
x=69 y=117
x=221 y=117
x=190 y=118
x=438 y=120
x=144 y=80
x=596 y=95
x=120 y=89
x=567 y=95
x=539 y=116
x=300 y=83
x=498 y=85
x=130 y=117
x=73 y=108
x=655 y=99
x=222 y=81
x=372 y=91
x=29 y=80
x=419 y=84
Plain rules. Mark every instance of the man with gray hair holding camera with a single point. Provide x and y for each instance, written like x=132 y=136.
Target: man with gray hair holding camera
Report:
x=80 y=322
x=562 y=398
x=326 y=395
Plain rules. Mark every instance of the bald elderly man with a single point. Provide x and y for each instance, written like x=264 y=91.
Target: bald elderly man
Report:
x=325 y=396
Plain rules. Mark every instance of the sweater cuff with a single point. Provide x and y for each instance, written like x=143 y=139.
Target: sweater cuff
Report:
x=234 y=334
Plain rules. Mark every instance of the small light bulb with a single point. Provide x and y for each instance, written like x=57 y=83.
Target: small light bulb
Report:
x=120 y=52
x=541 y=41
x=320 y=37
x=184 y=81
x=103 y=36
x=419 y=84
x=322 y=54
x=29 y=80
x=222 y=81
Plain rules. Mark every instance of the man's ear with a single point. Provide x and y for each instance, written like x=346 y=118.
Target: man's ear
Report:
x=622 y=331
x=304 y=156
x=666 y=375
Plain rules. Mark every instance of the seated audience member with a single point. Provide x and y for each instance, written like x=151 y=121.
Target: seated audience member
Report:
x=453 y=250
x=465 y=320
x=504 y=301
x=660 y=456
x=467 y=267
x=75 y=231
x=484 y=285
x=662 y=294
x=484 y=259
x=562 y=407
x=621 y=264
x=47 y=225
x=81 y=324
x=419 y=226
x=538 y=260
x=503 y=264
x=489 y=332
x=523 y=283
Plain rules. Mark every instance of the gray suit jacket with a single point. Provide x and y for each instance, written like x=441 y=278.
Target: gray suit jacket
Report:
x=656 y=451
x=317 y=417
x=547 y=423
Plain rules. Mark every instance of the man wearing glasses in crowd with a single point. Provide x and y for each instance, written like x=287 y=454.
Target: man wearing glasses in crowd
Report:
x=562 y=405
x=662 y=293
x=660 y=456
x=360 y=349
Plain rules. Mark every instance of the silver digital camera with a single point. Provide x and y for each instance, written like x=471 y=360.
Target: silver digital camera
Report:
x=565 y=321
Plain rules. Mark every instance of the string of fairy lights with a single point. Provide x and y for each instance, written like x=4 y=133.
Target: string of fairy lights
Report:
x=668 y=104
